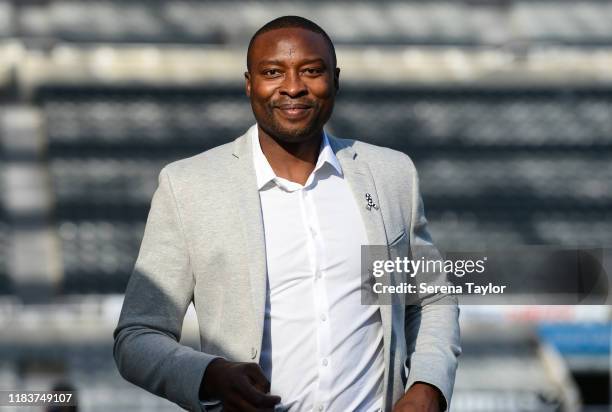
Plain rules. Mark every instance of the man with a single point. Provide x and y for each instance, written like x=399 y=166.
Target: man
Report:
x=263 y=234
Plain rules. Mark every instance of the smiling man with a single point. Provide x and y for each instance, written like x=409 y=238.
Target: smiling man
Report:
x=273 y=269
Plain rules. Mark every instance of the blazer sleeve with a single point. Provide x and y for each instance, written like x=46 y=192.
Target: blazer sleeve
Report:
x=432 y=325
x=146 y=341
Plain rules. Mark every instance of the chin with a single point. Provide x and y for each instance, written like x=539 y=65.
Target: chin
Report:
x=292 y=134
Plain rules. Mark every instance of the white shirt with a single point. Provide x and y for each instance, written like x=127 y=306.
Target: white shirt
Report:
x=322 y=349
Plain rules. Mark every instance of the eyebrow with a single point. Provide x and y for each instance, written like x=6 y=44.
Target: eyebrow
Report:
x=281 y=63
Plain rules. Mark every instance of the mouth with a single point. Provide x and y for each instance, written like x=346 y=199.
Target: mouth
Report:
x=294 y=111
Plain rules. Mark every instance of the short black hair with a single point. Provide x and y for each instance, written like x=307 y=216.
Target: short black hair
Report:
x=286 y=22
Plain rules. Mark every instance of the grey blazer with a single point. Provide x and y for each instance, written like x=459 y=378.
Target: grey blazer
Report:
x=203 y=243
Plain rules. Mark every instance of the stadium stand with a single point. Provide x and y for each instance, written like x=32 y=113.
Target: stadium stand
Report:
x=5 y=279
x=460 y=23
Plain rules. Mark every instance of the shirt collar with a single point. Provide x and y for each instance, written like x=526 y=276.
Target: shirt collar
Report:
x=264 y=172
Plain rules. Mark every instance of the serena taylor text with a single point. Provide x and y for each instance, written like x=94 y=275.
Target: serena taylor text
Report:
x=423 y=287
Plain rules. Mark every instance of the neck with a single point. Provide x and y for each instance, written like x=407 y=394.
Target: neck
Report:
x=292 y=161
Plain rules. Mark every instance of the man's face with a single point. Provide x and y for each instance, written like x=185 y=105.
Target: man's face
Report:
x=292 y=83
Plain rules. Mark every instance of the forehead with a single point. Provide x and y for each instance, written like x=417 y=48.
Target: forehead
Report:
x=289 y=44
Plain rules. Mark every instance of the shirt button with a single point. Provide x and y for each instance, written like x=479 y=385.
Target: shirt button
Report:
x=320 y=408
x=325 y=362
x=318 y=275
x=253 y=352
x=323 y=317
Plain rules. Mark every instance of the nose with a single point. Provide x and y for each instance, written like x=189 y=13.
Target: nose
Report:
x=292 y=85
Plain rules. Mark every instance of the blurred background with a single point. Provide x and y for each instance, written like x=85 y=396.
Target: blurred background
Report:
x=504 y=105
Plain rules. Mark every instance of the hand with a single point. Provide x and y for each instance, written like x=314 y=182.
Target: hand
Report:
x=240 y=386
x=421 y=397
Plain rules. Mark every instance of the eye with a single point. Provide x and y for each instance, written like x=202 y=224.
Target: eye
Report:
x=271 y=72
x=313 y=70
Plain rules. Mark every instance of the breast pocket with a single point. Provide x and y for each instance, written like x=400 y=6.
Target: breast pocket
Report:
x=398 y=246
x=398 y=239
x=399 y=249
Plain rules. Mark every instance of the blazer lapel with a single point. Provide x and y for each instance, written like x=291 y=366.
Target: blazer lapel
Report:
x=245 y=184
x=359 y=177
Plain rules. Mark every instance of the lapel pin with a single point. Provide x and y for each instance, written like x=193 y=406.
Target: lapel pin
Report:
x=371 y=203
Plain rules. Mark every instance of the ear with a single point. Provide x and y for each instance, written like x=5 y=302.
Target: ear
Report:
x=337 y=79
x=247 y=78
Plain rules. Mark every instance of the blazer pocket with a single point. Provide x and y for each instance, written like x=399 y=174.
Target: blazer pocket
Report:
x=397 y=239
